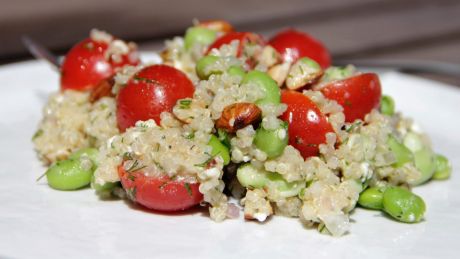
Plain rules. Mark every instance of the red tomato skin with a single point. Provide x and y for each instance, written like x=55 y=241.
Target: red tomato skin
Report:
x=161 y=194
x=150 y=92
x=293 y=44
x=243 y=37
x=307 y=125
x=85 y=65
x=358 y=95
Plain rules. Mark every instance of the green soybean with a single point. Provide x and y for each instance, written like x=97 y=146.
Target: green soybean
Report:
x=312 y=65
x=443 y=167
x=402 y=153
x=236 y=71
x=103 y=189
x=68 y=175
x=372 y=198
x=251 y=177
x=267 y=84
x=413 y=141
x=219 y=149
x=89 y=152
x=272 y=142
x=223 y=137
x=198 y=35
x=204 y=67
x=425 y=163
x=403 y=205
x=337 y=73
x=387 y=105
x=284 y=188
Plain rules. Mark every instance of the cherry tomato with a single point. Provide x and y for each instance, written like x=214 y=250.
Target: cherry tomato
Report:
x=159 y=193
x=217 y=25
x=358 y=95
x=307 y=125
x=86 y=64
x=294 y=44
x=150 y=92
x=243 y=37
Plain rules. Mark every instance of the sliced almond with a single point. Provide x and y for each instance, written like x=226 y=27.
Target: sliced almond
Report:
x=279 y=72
x=269 y=56
x=303 y=72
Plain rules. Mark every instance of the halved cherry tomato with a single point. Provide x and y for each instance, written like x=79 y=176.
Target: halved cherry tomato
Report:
x=307 y=125
x=243 y=37
x=150 y=92
x=293 y=44
x=217 y=25
x=86 y=64
x=358 y=95
x=162 y=194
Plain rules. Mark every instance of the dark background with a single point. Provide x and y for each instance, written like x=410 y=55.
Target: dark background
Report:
x=414 y=30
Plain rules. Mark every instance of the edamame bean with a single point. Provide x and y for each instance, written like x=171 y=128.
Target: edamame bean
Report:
x=198 y=35
x=403 y=205
x=267 y=84
x=69 y=174
x=103 y=189
x=272 y=142
x=443 y=167
x=402 y=153
x=337 y=73
x=323 y=229
x=89 y=152
x=413 y=141
x=424 y=161
x=251 y=177
x=205 y=67
x=223 y=137
x=219 y=149
x=387 y=105
x=284 y=188
x=372 y=198
x=236 y=71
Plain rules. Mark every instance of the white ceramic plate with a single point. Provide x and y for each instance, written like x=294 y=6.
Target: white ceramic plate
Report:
x=39 y=222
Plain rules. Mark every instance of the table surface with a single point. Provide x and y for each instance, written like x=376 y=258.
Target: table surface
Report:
x=399 y=30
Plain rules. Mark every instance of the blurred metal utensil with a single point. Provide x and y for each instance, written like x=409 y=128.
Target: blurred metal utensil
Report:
x=409 y=66
x=41 y=52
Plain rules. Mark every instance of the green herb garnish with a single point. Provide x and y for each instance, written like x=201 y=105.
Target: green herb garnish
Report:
x=189 y=190
x=135 y=167
x=145 y=80
x=301 y=70
x=158 y=165
x=37 y=134
x=353 y=126
x=185 y=104
x=127 y=156
x=190 y=135
x=206 y=163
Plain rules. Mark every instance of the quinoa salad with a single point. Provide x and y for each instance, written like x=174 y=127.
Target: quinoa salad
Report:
x=237 y=124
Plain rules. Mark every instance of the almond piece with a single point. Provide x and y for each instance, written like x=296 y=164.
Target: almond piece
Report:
x=102 y=89
x=279 y=72
x=304 y=72
x=239 y=115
